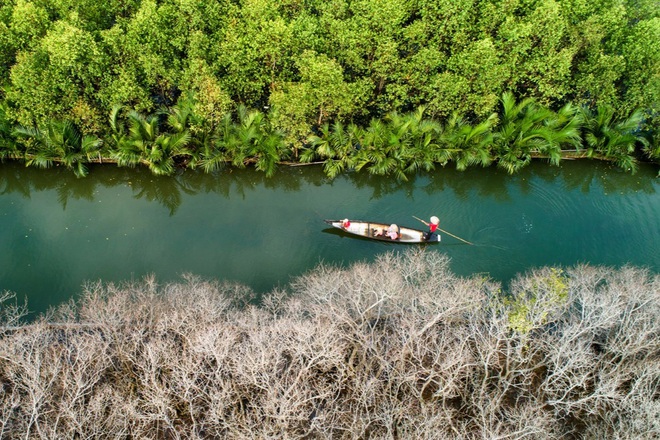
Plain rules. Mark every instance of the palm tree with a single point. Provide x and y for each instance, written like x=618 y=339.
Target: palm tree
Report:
x=133 y=147
x=426 y=146
x=248 y=133
x=521 y=132
x=652 y=147
x=329 y=143
x=565 y=132
x=250 y=140
x=470 y=145
x=118 y=133
x=268 y=152
x=144 y=143
x=182 y=118
x=215 y=154
x=377 y=154
x=612 y=136
x=59 y=142
x=335 y=144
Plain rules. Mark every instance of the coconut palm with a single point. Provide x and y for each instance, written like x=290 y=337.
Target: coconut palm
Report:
x=380 y=152
x=118 y=130
x=398 y=145
x=144 y=143
x=245 y=133
x=268 y=152
x=182 y=118
x=564 y=132
x=132 y=147
x=249 y=131
x=429 y=146
x=337 y=144
x=214 y=154
x=521 y=132
x=423 y=147
x=612 y=136
x=652 y=147
x=59 y=142
x=250 y=140
x=470 y=144
x=328 y=144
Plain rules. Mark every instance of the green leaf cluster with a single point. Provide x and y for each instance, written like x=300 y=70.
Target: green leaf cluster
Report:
x=309 y=66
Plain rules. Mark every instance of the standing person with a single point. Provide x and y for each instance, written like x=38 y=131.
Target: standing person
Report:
x=433 y=226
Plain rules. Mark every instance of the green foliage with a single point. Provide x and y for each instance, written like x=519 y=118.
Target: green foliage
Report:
x=641 y=81
x=421 y=141
x=526 y=129
x=320 y=93
x=354 y=71
x=59 y=142
x=538 y=298
x=203 y=93
x=8 y=145
x=613 y=136
x=251 y=139
x=536 y=44
x=22 y=25
x=143 y=142
x=471 y=145
x=335 y=144
x=57 y=79
x=256 y=141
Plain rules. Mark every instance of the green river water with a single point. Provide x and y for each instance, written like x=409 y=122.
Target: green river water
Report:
x=57 y=231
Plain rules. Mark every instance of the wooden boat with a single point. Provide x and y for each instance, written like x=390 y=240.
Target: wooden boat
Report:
x=376 y=231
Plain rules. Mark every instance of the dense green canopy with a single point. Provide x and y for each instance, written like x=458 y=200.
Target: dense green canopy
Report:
x=303 y=64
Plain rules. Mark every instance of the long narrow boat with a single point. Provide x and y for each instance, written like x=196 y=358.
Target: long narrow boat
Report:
x=376 y=231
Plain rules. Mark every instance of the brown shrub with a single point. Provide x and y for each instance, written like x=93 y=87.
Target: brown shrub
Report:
x=398 y=348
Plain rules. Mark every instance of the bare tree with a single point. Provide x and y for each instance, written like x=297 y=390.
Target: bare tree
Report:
x=397 y=348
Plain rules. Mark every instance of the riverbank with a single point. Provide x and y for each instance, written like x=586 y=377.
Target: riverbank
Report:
x=398 y=348
x=228 y=164
x=397 y=145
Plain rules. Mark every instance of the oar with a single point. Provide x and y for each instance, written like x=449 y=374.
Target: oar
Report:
x=448 y=233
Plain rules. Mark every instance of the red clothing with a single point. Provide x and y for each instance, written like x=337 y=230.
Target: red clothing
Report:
x=432 y=227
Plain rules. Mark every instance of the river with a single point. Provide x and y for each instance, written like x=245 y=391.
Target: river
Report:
x=58 y=232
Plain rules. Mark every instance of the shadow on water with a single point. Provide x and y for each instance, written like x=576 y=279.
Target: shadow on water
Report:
x=611 y=179
x=234 y=181
x=465 y=184
x=390 y=244
x=381 y=186
x=168 y=191
x=231 y=182
x=496 y=184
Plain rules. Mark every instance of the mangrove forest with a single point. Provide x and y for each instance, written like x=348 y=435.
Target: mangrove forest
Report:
x=400 y=348
x=386 y=86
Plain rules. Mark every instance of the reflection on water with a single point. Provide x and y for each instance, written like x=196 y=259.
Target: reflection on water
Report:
x=169 y=191
x=56 y=230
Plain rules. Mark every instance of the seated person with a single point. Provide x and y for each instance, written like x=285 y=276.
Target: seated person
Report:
x=393 y=232
x=345 y=223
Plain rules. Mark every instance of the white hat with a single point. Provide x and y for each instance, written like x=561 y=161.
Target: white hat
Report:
x=435 y=220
